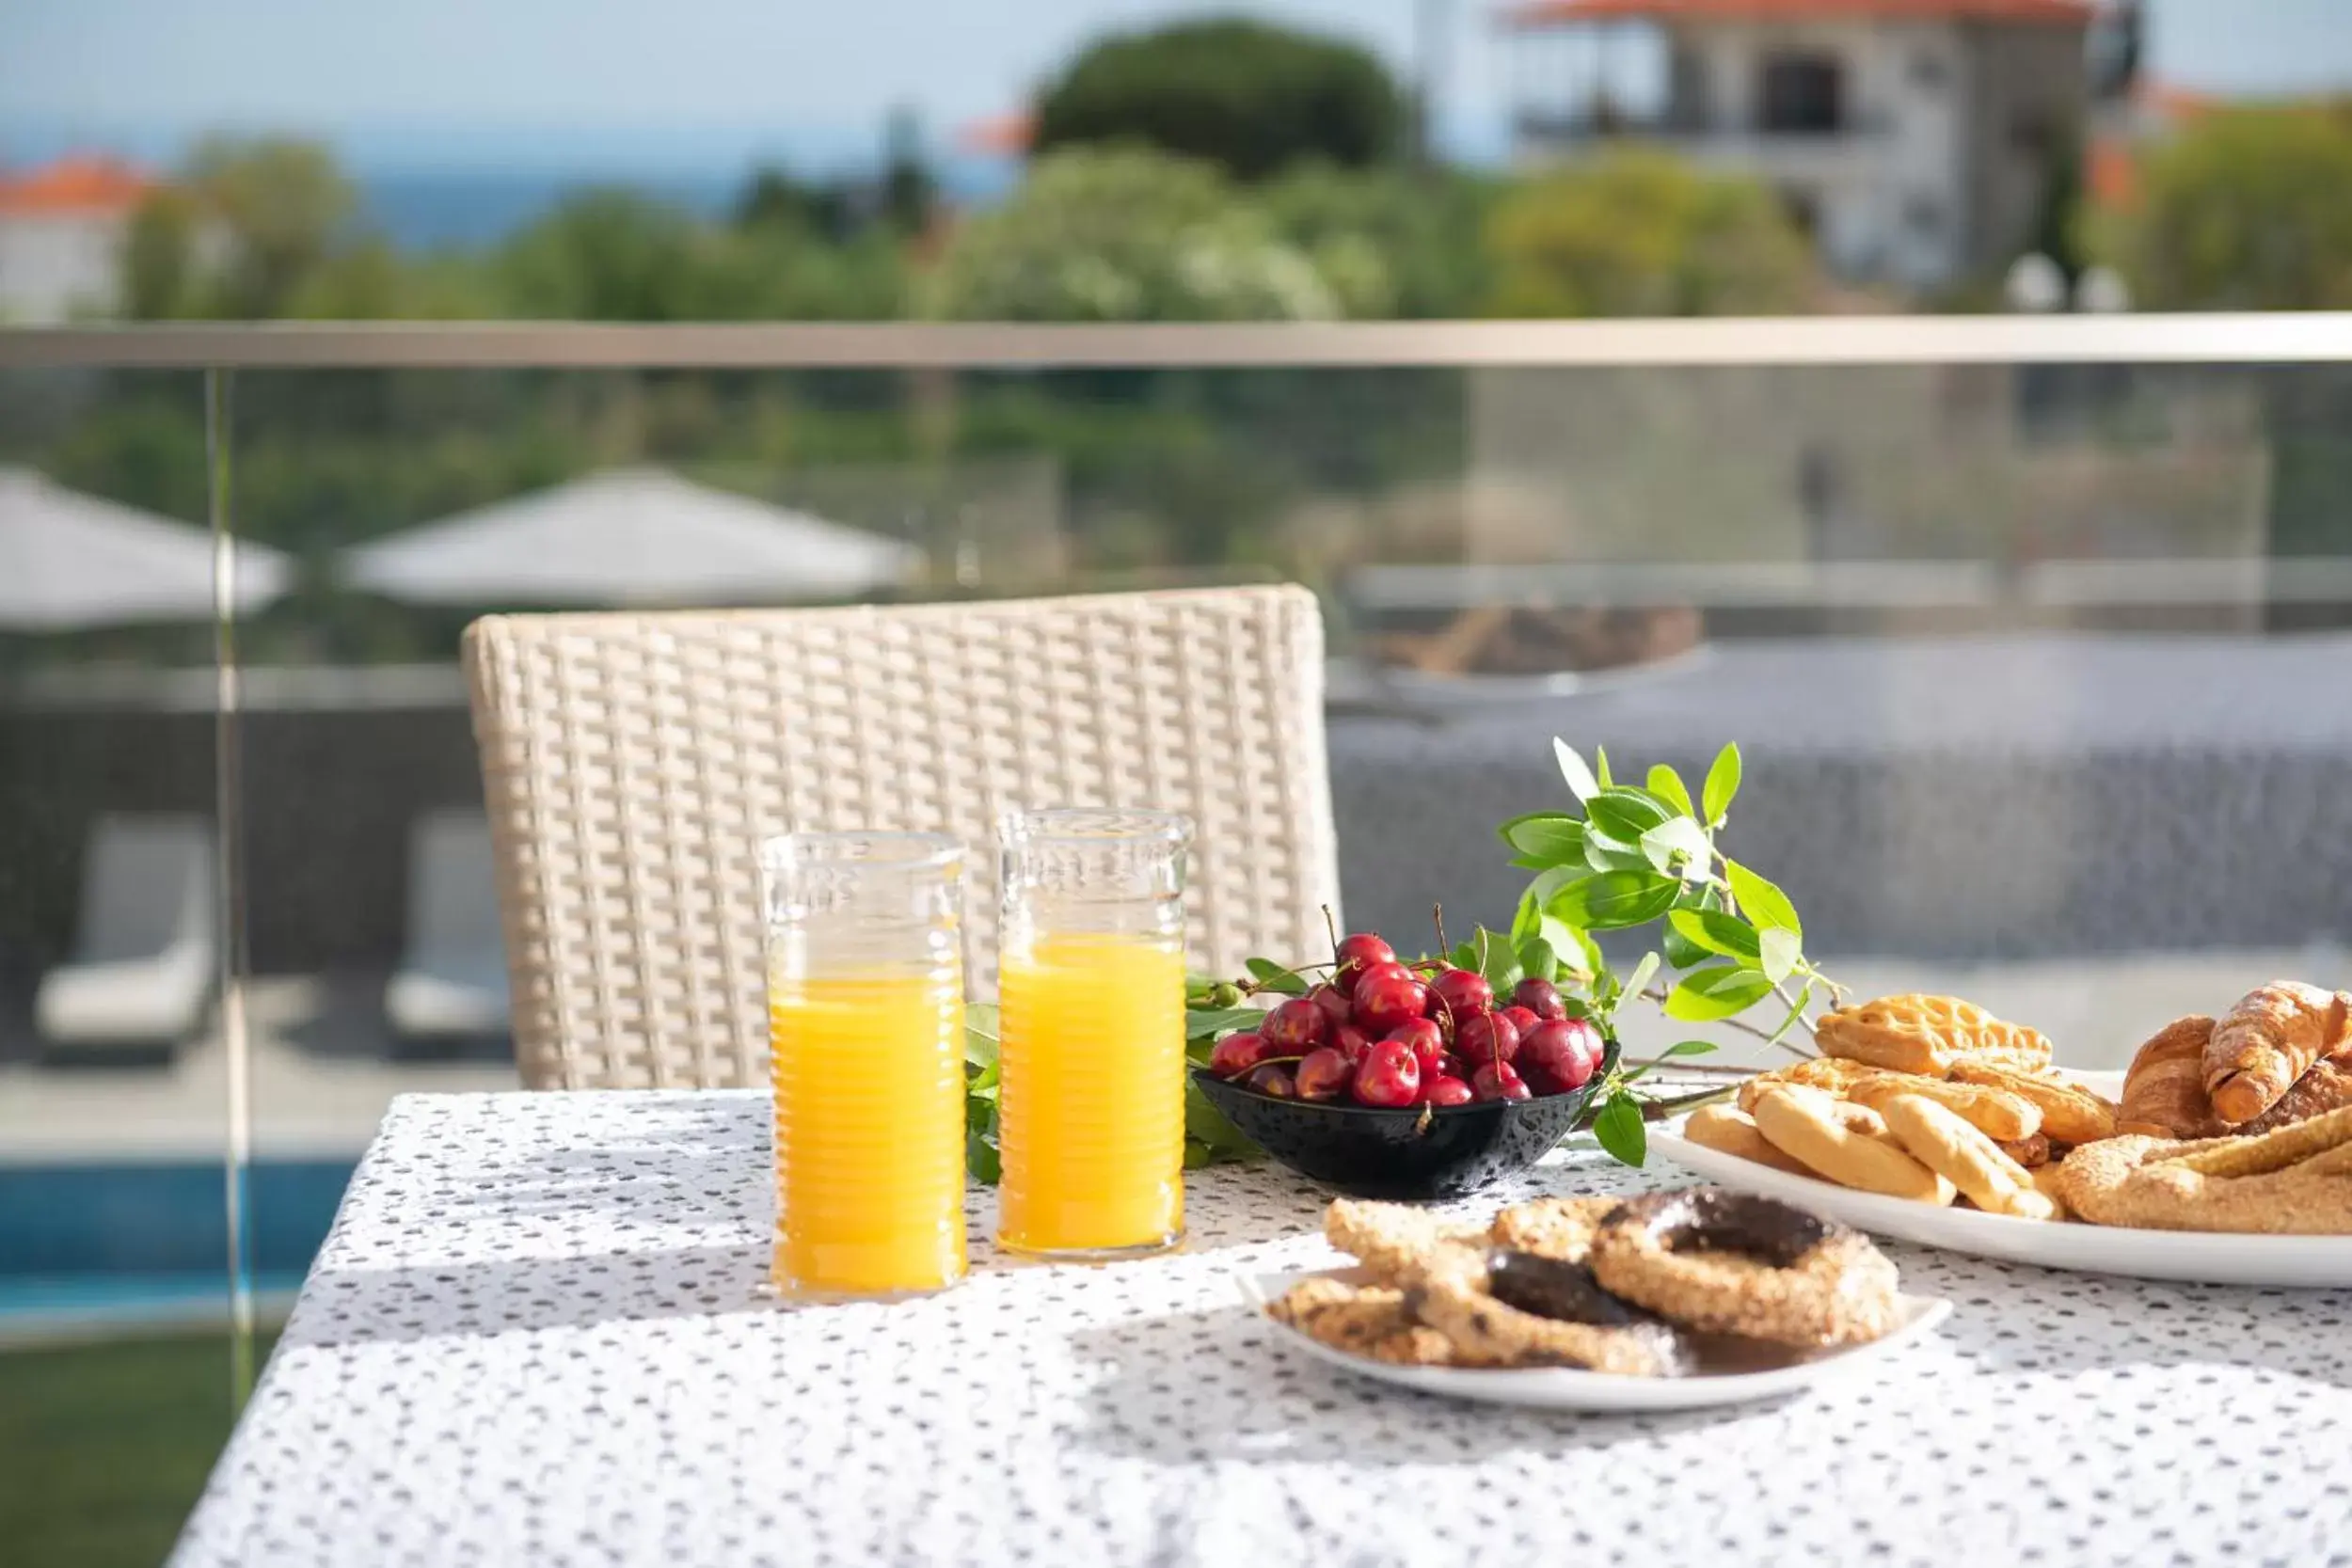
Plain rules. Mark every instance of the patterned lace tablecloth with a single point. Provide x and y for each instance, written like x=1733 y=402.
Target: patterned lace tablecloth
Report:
x=538 y=1335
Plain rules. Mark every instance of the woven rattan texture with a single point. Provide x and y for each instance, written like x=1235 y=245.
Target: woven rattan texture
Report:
x=633 y=763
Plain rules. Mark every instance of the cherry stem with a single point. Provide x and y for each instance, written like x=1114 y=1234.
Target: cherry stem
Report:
x=1436 y=913
x=1331 y=927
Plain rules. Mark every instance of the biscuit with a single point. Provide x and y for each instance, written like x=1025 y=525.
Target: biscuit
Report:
x=2070 y=1113
x=1732 y=1130
x=1998 y=1114
x=1926 y=1035
x=1939 y=1139
x=1833 y=1073
x=2292 y=1181
x=1373 y=1322
x=1395 y=1242
x=1838 y=1142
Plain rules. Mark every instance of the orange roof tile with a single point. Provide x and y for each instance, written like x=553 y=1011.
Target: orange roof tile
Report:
x=75 y=184
x=999 y=135
x=1542 y=13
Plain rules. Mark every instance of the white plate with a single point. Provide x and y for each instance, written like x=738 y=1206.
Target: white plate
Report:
x=1571 y=1388
x=2206 y=1258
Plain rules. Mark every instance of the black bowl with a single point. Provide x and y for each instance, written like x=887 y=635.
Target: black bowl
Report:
x=1365 y=1152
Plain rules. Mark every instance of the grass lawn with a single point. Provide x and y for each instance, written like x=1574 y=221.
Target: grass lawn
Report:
x=104 y=1446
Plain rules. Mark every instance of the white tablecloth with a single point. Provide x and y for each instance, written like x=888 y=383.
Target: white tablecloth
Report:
x=538 y=1335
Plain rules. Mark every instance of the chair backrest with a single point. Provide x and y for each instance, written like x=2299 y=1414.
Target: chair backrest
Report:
x=633 y=763
x=147 y=887
x=452 y=886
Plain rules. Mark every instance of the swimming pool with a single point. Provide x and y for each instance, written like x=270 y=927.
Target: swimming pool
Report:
x=114 y=1241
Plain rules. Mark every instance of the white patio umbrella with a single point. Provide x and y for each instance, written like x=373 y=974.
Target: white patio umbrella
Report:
x=629 y=536
x=70 y=559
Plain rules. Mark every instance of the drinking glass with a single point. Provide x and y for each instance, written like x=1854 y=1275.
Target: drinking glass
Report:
x=1091 y=981
x=865 y=1037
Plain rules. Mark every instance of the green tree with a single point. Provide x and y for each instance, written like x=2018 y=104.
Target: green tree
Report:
x=1643 y=233
x=1247 y=96
x=158 y=260
x=1391 y=242
x=2244 y=209
x=615 y=256
x=1125 y=234
x=283 y=207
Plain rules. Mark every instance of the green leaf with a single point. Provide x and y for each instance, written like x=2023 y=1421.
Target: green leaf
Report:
x=1666 y=784
x=979 y=1035
x=1641 y=975
x=1205 y=1122
x=1717 y=992
x=981 y=1159
x=1274 y=977
x=1581 y=781
x=1618 y=1128
x=1575 y=945
x=1498 y=960
x=1600 y=767
x=1688 y=1048
x=1676 y=843
x=1779 y=953
x=1722 y=782
x=1624 y=814
x=1796 y=1014
x=1464 y=955
x=1537 y=960
x=1604 y=853
x=1612 y=900
x=1761 y=901
x=1545 y=837
x=1207 y=1023
x=1712 y=931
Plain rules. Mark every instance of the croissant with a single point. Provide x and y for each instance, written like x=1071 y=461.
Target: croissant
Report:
x=2268 y=1041
x=2163 y=1089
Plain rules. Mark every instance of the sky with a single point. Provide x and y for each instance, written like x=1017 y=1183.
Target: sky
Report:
x=451 y=80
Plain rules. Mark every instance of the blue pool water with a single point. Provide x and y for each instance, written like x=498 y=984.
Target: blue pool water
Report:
x=115 y=1239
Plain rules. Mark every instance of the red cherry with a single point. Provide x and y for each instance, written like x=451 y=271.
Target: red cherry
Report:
x=1323 y=1074
x=1450 y=1066
x=1389 y=1076
x=1497 y=1081
x=1425 y=1040
x=1350 y=1043
x=1237 y=1053
x=1446 y=1090
x=1333 y=1001
x=1357 y=952
x=1488 y=1038
x=1274 y=1080
x=1388 y=996
x=1540 y=997
x=1553 y=1058
x=1464 y=991
x=1522 y=1017
x=1295 y=1027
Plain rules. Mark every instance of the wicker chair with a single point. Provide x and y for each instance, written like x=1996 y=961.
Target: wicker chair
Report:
x=633 y=764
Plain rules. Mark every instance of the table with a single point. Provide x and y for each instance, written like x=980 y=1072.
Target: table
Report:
x=537 y=1334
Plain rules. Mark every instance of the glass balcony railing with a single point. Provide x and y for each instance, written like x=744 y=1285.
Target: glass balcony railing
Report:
x=2035 y=633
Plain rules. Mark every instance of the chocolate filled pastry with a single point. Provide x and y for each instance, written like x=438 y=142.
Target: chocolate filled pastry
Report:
x=2327 y=1087
x=1738 y=1263
x=2268 y=1041
x=1485 y=1312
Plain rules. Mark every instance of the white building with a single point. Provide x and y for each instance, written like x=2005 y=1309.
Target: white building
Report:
x=1917 y=140
x=61 y=232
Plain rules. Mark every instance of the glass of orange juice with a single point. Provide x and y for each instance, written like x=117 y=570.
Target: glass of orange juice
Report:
x=1091 y=982
x=866 y=1043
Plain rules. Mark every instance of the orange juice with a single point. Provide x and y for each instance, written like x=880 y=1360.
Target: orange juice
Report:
x=1092 y=1115
x=869 y=1074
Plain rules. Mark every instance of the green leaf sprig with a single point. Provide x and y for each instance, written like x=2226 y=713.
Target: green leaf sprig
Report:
x=1628 y=856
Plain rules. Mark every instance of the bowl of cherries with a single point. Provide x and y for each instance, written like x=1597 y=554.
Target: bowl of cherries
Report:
x=1409 y=1080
